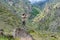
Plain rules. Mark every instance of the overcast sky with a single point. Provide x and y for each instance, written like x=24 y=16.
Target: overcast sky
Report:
x=36 y=0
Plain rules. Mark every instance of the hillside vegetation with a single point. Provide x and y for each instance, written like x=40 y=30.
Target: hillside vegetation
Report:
x=42 y=24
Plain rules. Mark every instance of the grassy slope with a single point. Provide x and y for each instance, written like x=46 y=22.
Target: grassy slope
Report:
x=7 y=18
x=6 y=15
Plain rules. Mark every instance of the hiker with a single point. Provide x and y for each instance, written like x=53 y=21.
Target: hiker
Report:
x=23 y=19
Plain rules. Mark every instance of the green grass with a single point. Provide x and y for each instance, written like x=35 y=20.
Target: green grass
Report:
x=5 y=38
x=45 y=36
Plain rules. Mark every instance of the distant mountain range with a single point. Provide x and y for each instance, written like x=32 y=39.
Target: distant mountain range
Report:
x=41 y=4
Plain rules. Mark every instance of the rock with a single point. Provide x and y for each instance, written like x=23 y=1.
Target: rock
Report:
x=53 y=36
x=22 y=34
x=1 y=32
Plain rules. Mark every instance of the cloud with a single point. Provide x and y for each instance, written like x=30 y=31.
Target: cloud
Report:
x=36 y=0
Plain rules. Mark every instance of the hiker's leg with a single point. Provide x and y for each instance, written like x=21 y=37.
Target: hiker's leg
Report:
x=23 y=23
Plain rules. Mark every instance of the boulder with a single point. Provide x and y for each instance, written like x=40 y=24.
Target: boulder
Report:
x=22 y=34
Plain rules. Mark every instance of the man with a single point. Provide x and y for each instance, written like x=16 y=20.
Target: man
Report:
x=23 y=19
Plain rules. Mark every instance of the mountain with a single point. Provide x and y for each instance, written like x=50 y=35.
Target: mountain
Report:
x=11 y=11
x=37 y=7
x=17 y=6
x=43 y=22
x=8 y=20
x=49 y=18
x=40 y=4
x=41 y=12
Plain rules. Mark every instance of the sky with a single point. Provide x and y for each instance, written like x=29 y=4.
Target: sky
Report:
x=36 y=0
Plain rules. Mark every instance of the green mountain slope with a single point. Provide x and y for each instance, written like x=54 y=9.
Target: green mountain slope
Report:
x=8 y=19
x=49 y=19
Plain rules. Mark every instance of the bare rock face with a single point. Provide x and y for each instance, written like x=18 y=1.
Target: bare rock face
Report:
x=22 y=34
